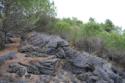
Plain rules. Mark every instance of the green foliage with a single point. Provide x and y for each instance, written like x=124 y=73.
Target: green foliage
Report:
x=115 y=41
x=24 y=15
x=37 y=11
x=62 y=26
x=76 y=31
x=33 y=6
x=27 y=14
x=108 y=26
x=90 y=29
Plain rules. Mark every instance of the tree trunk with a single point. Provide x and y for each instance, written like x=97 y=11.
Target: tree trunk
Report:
x=2 y=40
x=3 y=27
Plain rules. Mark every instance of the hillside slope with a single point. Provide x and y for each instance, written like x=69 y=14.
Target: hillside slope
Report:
x=45 y=58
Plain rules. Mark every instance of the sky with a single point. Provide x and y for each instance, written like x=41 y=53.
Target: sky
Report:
x=98 y=9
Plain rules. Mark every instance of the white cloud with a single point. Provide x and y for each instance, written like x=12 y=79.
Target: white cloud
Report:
x=98 y=9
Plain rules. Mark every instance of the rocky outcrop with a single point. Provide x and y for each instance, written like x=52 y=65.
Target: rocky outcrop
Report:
x=39 y=44
x=92 y=68
x=62 y=63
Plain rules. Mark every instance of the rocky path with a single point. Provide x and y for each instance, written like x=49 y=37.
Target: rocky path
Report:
x=20 y=58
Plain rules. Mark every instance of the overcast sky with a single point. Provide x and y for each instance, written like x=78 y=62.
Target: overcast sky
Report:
x=98 y=9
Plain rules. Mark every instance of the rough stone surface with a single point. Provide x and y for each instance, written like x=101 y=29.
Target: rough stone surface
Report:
x=40 y=43
x=6 y=57
x=62 y=64
x=42 y=67
x=18 y=69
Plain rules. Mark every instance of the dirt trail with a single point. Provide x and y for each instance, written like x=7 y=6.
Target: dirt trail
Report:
x=11 y=47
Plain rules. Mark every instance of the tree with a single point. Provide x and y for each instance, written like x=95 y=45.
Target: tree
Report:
x=22 y=15
x=90 y=29
x=109 y=26
x=91 y=19
x=2 y=35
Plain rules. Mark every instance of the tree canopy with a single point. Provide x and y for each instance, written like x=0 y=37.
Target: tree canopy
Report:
x=29 y=15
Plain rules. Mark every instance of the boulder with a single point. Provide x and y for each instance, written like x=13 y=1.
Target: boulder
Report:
x=47 y=67
x=41 y=43
x=18 y=69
